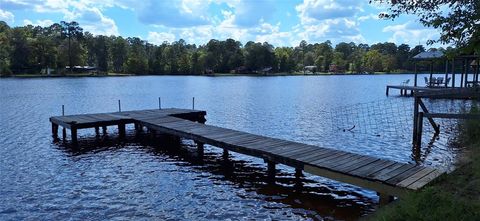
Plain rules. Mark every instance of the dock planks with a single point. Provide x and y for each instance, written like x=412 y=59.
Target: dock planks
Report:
x=384 y=176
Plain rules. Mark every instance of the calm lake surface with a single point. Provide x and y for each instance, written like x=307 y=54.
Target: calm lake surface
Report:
x=143 y=178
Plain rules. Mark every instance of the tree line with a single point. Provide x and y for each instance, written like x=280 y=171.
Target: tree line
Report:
x=34 y=49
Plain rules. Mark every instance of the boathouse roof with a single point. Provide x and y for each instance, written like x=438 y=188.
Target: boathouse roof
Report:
x=429 y=55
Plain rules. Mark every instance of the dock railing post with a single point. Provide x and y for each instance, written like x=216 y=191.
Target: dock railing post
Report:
x=64 y=130
x=419 y=129
x=415 y=119
x=119 y=106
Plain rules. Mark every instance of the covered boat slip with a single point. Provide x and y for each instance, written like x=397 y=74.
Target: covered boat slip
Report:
x=389 y=178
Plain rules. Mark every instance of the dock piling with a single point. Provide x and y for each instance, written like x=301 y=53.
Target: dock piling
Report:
x=54 y=130
x=225 y=154
x=119 y=106
x=271 y=170
x=73 y=133
x=121 y=130
x=159 y=103
x=193 y=103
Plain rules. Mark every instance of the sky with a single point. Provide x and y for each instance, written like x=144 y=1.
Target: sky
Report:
x=279 y=22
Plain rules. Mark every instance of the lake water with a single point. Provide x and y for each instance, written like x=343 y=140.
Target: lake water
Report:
x=142 y=178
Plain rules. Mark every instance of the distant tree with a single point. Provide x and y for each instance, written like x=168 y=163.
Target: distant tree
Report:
x=5 y=48
x=102 y=53
x=71 y=30
x=458 y=21
x=373 y=61
x=119 y=52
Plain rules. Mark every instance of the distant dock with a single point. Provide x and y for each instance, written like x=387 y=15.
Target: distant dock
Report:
x=406 y=90
x=386 y=177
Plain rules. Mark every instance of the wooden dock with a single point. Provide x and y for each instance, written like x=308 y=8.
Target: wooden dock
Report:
x=386 y=177
x=405 y=89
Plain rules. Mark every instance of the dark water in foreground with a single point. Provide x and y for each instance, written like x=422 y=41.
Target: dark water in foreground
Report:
x=142 y=178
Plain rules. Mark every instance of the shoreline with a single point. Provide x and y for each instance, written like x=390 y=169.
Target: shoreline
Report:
x=202 y=75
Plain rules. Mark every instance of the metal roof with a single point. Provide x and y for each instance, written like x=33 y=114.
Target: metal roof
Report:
x=429 y=55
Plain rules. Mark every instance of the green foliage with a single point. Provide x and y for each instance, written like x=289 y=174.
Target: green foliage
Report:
x=433 y=203
x=29 y=50
x=454 y=196
x=456 y=20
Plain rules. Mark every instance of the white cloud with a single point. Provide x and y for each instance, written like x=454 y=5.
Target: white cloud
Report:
x=311 y=10
x=334 y=20
x=42 y=23
x=7 y=16
x=93 y=20
x=410 y=33
x=368 y=17
x=160 y=37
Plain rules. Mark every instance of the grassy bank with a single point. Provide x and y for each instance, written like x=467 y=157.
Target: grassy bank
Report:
x=455 y=196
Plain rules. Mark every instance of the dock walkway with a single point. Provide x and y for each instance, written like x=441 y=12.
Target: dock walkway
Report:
x=387 y=177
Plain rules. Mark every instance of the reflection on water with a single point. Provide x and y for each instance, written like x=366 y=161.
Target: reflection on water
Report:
x=146 y=178
x=308 y=198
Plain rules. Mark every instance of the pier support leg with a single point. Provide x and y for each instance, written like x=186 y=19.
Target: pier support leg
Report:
x=225 y=154
x=121 y=130
x=200 y=149
x=384 y=199
x=271 y=170
x=73 y=133
x=138 y=127
x=298 y=179
x=387 y=90
x=104 y=130
x=298 y=173
x=419 y=131
x=97 y=131
x=54 y=130
x=64 y=134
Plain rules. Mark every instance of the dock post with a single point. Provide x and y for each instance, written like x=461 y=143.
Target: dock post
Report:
x=121 y=130
x=73 y=133
x=271 y=170
x=387 y=90
x=298 y=173
x=225 y=154
x=119 y=106
x=138 y=127
x=384 y=199
x=64 y=134
x=104 y=130
x=193 y=103
x=200 y=148
x=159 y=103
x=419 y=129
x=415 y=119
x=97 y=130
x=54 y=130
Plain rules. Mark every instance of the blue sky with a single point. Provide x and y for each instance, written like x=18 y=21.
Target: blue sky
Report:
x=280 y=22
